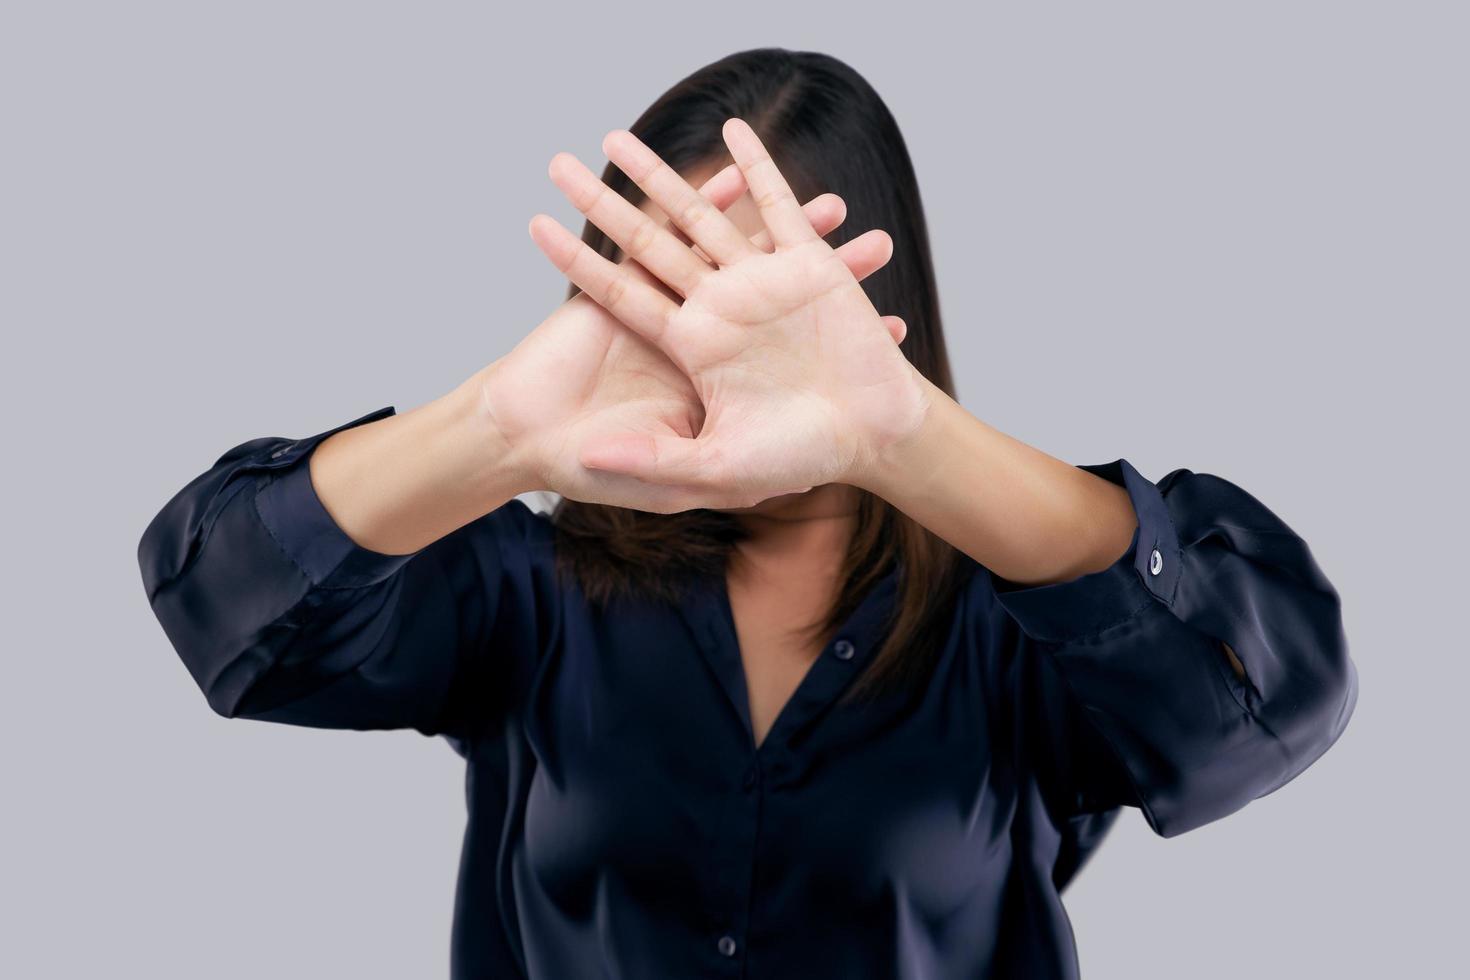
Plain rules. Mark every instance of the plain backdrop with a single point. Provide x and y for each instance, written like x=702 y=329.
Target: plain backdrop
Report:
x=1232 y=237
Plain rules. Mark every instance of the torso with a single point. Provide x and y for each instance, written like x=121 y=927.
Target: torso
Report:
x=686 y=776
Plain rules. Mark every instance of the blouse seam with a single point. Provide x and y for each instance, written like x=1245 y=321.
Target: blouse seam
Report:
x=1253 y=530
x=1097 y=634
x=271 y=533
x=312 y=582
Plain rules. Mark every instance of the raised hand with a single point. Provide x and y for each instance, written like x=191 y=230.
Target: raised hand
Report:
x=582 y=377
x=801 y=380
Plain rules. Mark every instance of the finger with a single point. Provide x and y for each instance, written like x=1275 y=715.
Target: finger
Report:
x=825 y=213
x=634 y=302
x=639 y=236
x=897 y=329
x=722 y=190
x=778 y=206
x=867 y=253
x=706 y=225
x=657 y=459
x=691 y=469
x=617 y=489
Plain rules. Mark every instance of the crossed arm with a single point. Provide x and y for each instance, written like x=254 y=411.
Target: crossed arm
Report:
x=716 y=371
x=731 y=304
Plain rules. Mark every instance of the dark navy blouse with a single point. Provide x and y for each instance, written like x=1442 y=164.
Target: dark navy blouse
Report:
x=622 y=822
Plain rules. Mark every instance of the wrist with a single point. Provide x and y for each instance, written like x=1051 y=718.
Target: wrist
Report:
x=504 y=464
x=404 y=481
x=893 y=465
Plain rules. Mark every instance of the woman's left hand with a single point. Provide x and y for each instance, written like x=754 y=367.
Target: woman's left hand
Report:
x=802 y=380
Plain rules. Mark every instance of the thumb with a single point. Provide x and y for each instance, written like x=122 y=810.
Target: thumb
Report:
x=664 y=459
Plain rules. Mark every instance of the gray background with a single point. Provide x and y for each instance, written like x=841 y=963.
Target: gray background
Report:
x=1228 y=237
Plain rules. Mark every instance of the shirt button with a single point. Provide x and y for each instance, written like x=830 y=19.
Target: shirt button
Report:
x=727 y=945
x=1155 y=562
x=751 y=775
x=843 y=650
x=282 y=451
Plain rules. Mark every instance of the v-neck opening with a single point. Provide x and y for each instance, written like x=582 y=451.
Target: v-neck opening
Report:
x=709 y=611
x=727 y=612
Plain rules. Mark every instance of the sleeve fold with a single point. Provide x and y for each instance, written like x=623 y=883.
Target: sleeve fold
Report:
x=1138 y=655
x=278 y=615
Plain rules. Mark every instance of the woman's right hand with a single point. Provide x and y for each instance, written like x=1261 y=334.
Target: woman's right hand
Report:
x=582 y=375
x=578 y=376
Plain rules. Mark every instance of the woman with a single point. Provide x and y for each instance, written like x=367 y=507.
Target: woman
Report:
x=811 y=672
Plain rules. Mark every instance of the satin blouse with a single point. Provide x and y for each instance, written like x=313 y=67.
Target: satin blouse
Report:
x=621 y=822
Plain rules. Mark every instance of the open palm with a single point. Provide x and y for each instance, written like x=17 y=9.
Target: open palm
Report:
x=801 y=380
x=582 y=379
x=578 y=378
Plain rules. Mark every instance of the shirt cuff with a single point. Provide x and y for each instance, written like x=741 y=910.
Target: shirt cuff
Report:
x=1061 y=612
x=291 y=511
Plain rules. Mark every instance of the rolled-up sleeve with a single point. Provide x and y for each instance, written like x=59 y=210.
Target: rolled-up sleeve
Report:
x=279 y=616
x=1136 y=652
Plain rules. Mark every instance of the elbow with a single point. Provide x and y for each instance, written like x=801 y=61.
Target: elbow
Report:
x=234 y=685
x=1338 y=695
x=155 y=562
x=1249 y=753
x=224 y=670
x=223 y=702
x=1300 y=687
x=1313 y=717
x=222 y=680
x=1287 y=734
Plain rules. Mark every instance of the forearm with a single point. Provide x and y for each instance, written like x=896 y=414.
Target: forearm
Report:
x=401 y=483
x=1028 y=517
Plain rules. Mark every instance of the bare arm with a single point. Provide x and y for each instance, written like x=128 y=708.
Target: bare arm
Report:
x=400 y=483
x=1148 y=598
x=1028 y=517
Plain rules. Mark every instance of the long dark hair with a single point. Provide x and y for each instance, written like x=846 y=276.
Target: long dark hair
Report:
x=827 y=130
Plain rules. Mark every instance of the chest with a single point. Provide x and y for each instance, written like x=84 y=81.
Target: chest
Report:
x=655 y=769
